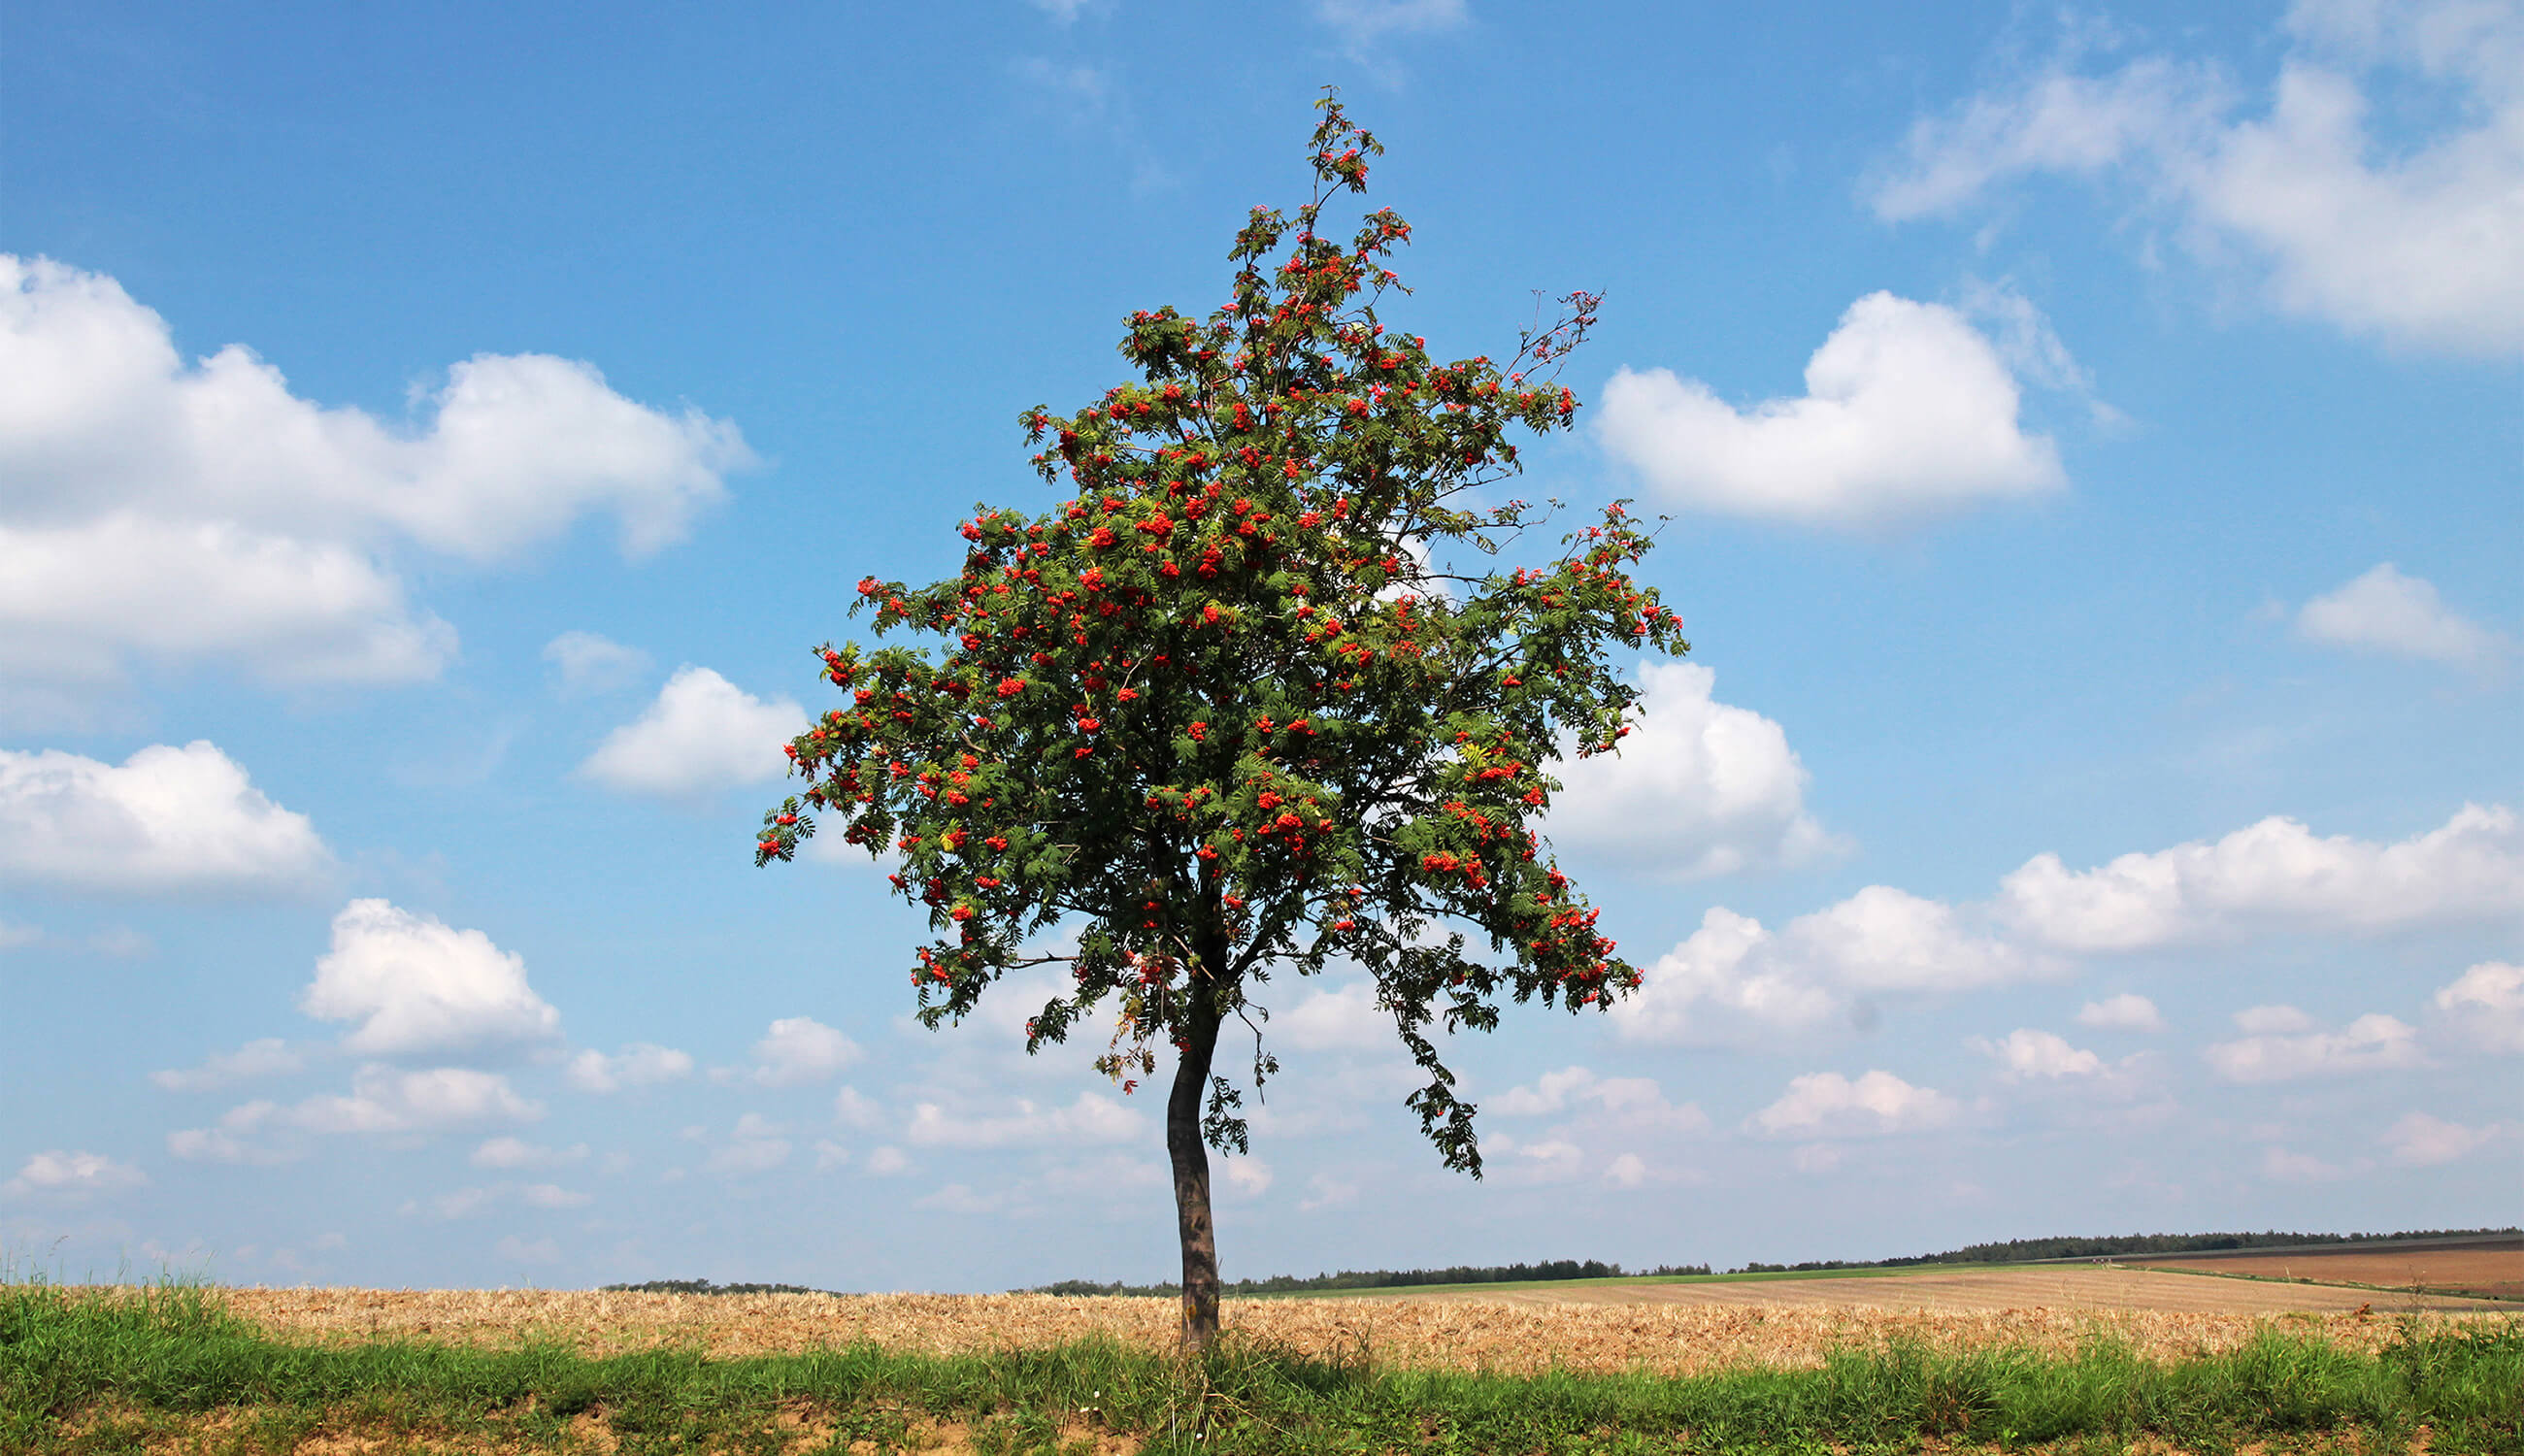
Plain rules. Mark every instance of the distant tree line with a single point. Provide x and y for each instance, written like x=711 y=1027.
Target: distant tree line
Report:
x=2033 y=1250
x=704 y=1287
x=1392 y=1279
x=2012 y=1251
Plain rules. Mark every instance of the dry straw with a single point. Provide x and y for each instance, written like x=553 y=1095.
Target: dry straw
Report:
x=1673 y=1329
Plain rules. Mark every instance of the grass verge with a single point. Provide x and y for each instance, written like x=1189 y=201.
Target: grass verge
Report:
x=168 y=1368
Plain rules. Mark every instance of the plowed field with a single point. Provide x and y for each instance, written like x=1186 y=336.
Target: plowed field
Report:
x=1790 y=1323
x=2068 y=1288
x=2483 y=1269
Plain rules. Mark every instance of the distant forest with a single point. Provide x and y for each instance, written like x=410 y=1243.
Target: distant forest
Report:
x=2034 y=1250
x=1388 y=1279
x=2012 y=1251
x=704 y=1287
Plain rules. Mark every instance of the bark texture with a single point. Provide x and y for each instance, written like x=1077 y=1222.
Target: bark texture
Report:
x=1190 y=1154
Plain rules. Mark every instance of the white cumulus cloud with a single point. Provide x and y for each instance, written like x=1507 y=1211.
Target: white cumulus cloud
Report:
x=2285 y=1165
x=2272 y=1020
x=799 y=1050
x=640 y=1064
x=232 y=1139
x=2419 y=244
x=1729 y=981
x=757 y=1145
x=190 y=509
x=1883 y=939
x=1346 y=1018
x=2402 y=616
x=2027 y=1055
x=852 y=1108
x=2126 y=1012
x=1826 y=1104
x=2419 y=1140
x=2485 y=1005
x=1552 y=1160
x=1735 y=981
x=585 y=663
x=71 y=1175
x=1092 y=1118
x=268 y=1057
x=703 y=734
x=2274 y=1049
x=958 y=1197
x=1909 y=412
x=79 y=598
x=1817 y=1157
x=387 y=1100
x=418 y=986
x=1323 y=1190
x=1363 y=23
x=1247 y=1177
x=1550 y=1092
x=516 y=1152
x=1702 y=788
x=2273 y=876
x=1636 y=1101
x=381 y=1101
x=459 y=1204
x=165 y=821
x=2033 y=348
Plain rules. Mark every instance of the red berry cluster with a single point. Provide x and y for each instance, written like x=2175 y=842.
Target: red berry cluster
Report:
x=1225 y=704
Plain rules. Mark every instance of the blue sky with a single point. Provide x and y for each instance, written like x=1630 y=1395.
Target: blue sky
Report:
x=430 y=441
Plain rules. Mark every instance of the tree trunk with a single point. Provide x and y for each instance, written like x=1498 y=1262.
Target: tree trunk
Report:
x=1190 y=1157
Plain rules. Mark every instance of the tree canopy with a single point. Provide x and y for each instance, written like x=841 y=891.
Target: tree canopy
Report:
x=1232 y=708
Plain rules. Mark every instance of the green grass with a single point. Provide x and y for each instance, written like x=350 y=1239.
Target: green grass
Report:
x=86 y=1373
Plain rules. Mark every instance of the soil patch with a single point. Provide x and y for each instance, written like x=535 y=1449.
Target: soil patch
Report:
x=2073 y=1287
x=2494 y=1270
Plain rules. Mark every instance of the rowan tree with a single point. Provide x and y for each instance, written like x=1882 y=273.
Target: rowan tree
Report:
x=1228 y=710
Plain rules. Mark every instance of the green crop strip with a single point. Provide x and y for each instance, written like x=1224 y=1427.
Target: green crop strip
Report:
x=87 y=1372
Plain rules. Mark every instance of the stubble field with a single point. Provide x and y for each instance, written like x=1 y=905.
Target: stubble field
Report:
x=2074 y=1361
x=1671 y=1329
